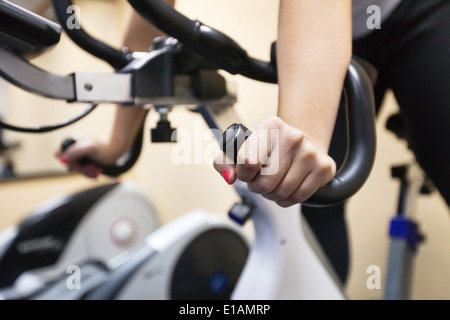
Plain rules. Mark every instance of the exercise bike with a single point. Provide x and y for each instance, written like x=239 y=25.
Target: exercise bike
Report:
x=88 y=229
x=284 y=261
x=92 y=225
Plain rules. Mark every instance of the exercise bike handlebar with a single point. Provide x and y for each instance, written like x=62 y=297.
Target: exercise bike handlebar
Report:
x=116 y=58
x=361 y=148
x=229 y=56
x=226 y=54
x=206 y=41
x=361 y=142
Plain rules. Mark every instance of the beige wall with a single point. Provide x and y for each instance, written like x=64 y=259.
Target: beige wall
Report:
x=176 y=189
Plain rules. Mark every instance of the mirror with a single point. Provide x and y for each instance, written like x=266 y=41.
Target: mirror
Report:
x=26 y=155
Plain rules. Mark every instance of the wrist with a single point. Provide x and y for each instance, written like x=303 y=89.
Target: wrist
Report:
x=314 y=126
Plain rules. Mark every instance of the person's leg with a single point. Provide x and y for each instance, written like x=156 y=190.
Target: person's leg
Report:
x=412 y=54
x=421 y=84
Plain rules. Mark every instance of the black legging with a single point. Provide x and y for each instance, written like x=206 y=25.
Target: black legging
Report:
x=411 y=52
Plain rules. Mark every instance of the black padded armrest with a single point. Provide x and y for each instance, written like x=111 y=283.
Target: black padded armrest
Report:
x=25 y=32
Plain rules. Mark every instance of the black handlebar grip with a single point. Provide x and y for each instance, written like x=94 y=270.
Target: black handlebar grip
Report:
x=67 y=143
x=233 y=138
x=83 y=161
x=119 y=168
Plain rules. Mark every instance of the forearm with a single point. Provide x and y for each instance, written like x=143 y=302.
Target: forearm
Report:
x=127 y=122
x=313 y=54
x=140 y=33
x=128 y=119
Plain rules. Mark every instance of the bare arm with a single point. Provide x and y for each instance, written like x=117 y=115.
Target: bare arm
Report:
x=314 y=51
x=128 y=119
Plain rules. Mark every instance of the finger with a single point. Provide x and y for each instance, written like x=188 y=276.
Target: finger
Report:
x=93 y=171
x=226 y=167
x=78 y=151
x=311 y=183
x=289 y=184
x=253 y=155
x=293 y=169
x=90 y=171
x=315 y=175
x=272 y=173
x=304 y=191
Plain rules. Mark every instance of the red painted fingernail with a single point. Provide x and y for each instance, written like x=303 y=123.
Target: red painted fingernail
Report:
x=226 y=175
x=95 y=171
x=63 y=160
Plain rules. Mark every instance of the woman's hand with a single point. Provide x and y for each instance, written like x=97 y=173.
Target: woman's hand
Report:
x=87 y=147
x=280 y=162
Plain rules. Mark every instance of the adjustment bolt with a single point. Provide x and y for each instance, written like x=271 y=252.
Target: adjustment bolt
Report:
x=88 y=87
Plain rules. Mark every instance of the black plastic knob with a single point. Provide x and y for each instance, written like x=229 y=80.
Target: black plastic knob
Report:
x=233 y=138
x=163 y=132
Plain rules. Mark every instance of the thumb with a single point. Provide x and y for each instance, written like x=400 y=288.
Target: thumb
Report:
x=225 y=167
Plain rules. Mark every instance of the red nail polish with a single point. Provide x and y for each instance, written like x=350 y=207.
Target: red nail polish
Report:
x=63 y=160
x=226 y=175
x=94 y=171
